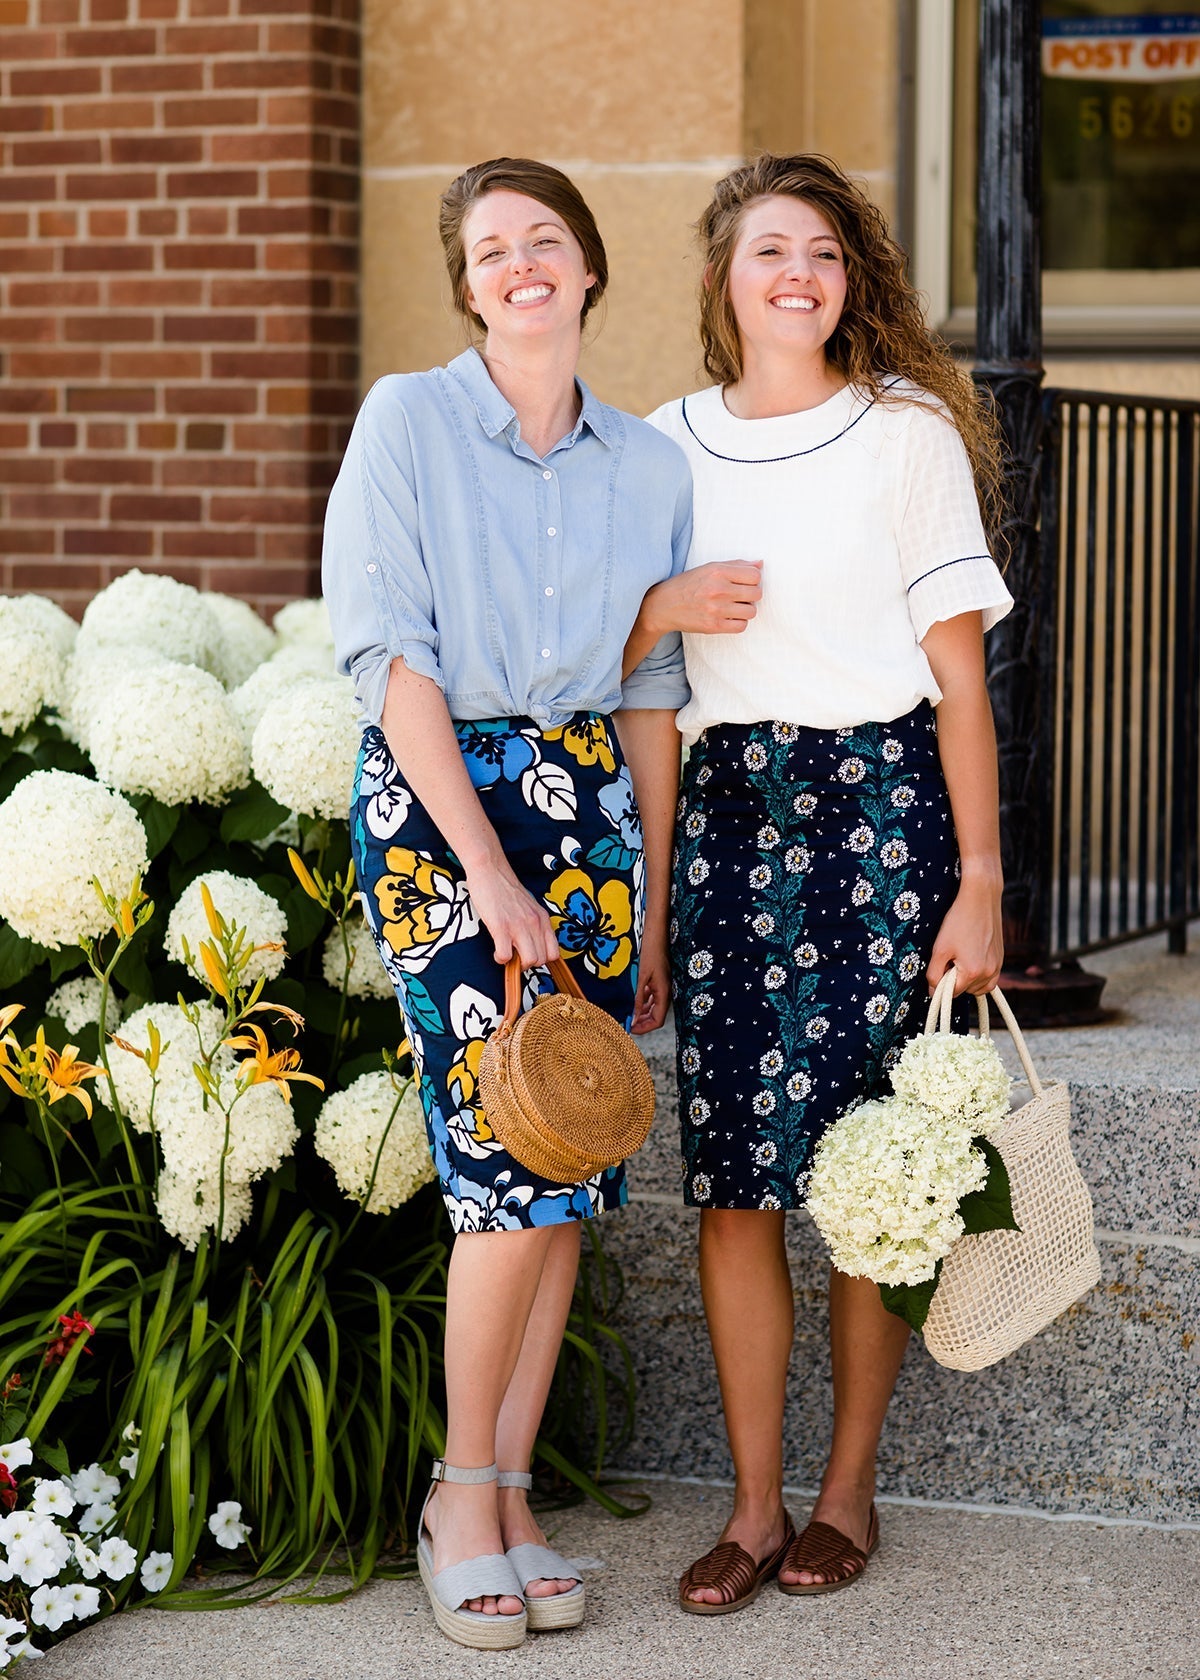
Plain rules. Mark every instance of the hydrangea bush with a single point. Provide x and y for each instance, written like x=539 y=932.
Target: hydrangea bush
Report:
x=220 y=1240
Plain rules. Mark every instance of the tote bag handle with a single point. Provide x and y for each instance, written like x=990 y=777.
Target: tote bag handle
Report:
x=938 y=1020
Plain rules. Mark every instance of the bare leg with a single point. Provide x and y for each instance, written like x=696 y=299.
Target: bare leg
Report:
x=525 y=1399
x=743 y=1265
x=493 y=1282
x=867 y=1344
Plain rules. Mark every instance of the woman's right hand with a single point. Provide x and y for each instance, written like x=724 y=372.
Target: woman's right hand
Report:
x=717 y=599
x=513 y=917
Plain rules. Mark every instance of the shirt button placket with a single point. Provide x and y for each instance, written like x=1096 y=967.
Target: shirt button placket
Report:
x=550 y=544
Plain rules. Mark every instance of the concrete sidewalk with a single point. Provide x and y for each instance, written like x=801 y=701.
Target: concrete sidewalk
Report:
x=952 y=1594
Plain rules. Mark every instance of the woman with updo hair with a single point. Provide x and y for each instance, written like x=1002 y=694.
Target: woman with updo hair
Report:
x=838 y=832
x=489 y=541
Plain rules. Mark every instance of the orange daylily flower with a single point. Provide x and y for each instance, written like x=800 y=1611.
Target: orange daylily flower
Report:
x=280 y=1009
x=264 y=1065
x=64 y=1074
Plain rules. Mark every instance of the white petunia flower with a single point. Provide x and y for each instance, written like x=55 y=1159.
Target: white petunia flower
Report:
x=168 y=730
x=51 y=1606
x=226 y=1525
x=305 y=747
x=349 y=1133
x=77 y=1003
x=156 y=1570
x=242 y=904
x=886 y=1182
x=129 y=1461
x=305 y=622
x=32 y=672
x=98 y=1517
x=57 y=831
x=958 y=1078
x=368 y=977
x=246 y=640
x=15 y=1455
x=86 y=1560
x=52 y=1499
x=84 y=1601
x=117 y=1558
x=32 y=1561
x=154 y=611
x=26 y=1650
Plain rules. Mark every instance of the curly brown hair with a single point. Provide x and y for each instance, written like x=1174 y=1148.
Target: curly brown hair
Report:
x=535 y=180
x=881 y=332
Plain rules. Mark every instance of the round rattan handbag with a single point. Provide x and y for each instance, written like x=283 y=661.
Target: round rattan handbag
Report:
x=564 y=1087
x=1000 y=1288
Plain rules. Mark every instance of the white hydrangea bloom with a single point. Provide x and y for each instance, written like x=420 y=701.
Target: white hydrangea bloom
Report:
x=262 y=1132
x=956 y=1077
x=188 y=1210
x=305 y=747
x=368 y=977
x=243 y=904
x=303 y=659
x=169 y=730
x=183 y=1044
x=77 y=1003
x=251 y=698
x=350 y=1127
x=148 y=610
x=90 y=676
x=885 y=1186
x=305 y=621
x=246 y=639
x=20 y=613
x=57 y=832
x=31 y=677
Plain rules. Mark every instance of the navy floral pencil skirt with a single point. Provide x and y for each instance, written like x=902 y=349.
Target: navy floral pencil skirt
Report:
x=812 y=871
x=562 y=804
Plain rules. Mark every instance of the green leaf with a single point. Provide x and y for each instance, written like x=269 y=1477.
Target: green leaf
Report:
x=106 y=1129
x=191 y=837
x=160 y=821
x=23 y=1166
x=306 y=919
x=65 y=961
x=251 y=814
x=18 y=957
x=910 y=1301
x=989 y=1209
x=131 y=970
x=15 y=770
x=55 y=1456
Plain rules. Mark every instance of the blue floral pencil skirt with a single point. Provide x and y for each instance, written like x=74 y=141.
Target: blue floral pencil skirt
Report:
x=812 y=871
x=561 y=802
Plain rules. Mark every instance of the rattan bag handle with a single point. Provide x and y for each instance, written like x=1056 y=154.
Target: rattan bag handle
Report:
x=938 y=1019
x=514 y=970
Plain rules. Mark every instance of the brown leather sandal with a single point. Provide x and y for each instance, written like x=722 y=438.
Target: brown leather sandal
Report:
x=822 y=1549
x=733 y=1572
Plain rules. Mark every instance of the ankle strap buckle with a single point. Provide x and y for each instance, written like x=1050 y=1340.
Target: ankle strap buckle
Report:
x=443 y=1472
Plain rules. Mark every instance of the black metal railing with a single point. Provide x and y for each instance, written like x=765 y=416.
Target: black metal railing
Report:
x=1120 y=715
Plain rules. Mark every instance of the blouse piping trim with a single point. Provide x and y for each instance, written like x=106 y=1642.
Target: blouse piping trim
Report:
x=772 y=460
x=961 y=561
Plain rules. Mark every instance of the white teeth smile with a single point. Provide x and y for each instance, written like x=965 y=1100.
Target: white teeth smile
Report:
x=529 y=294
x=794 y=303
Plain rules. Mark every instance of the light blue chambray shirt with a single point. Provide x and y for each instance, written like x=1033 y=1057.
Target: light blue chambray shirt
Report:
x=512 y=581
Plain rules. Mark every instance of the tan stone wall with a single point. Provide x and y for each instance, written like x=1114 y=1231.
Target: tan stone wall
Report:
x=645 y=103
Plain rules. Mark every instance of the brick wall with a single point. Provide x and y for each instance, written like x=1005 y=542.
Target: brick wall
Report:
x=178 y=263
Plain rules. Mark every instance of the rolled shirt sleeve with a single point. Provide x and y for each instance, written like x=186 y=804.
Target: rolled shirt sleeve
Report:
x=379 y=612
x=943 y=549
x=660 y=680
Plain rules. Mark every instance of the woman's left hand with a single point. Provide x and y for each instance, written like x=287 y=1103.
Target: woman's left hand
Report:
x=971 y=937
x=654 y=985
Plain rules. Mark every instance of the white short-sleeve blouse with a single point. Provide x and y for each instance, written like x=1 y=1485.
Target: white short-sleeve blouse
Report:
x=865 y=518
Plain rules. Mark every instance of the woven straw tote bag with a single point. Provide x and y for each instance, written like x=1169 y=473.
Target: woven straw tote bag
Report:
x=564 y=1087
x=1000 y=1288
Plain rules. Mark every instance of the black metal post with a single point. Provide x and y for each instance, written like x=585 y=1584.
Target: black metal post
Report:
x=1009 y=365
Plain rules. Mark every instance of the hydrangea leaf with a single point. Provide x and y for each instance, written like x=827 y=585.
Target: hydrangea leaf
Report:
x=63 y=961
x=160 y=821
x=106 y=1130
x=18 y=957
x=989 y=1209
x=251 y=815
x=910 y=1301
x=305 y=919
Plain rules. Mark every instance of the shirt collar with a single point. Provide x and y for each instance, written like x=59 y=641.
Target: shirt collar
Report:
x=496 y=413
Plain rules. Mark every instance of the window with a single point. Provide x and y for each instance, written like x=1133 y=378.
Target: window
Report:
x=1120 y=170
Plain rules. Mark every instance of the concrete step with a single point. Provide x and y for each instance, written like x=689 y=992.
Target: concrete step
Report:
x=1099 y=1413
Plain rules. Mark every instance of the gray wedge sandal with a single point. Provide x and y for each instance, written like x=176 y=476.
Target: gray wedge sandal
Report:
x=542 y=1563
x=490 y=1576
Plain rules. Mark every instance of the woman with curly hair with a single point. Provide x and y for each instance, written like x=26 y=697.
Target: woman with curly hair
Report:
x=837 y=836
